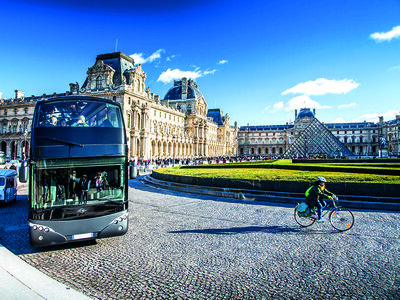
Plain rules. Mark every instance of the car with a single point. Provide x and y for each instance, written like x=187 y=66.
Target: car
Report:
x=8 y=185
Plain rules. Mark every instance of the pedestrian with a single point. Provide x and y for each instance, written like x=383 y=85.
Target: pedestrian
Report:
x=101 y=182
x=82 y=187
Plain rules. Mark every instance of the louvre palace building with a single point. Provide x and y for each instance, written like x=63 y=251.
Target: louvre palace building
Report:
x=307 y=137
x=178 y=126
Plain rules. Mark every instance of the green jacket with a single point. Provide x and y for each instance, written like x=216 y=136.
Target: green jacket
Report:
x=316 y=193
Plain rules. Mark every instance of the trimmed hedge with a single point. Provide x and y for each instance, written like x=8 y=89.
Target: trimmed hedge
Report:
x=340 y=188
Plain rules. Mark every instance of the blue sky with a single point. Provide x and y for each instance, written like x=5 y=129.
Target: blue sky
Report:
x=257 y=60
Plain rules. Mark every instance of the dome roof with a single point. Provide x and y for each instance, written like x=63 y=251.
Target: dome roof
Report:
x=305 y=112
x=177 y=92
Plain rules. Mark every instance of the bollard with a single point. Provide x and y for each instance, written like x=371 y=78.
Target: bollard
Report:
x=133 y=172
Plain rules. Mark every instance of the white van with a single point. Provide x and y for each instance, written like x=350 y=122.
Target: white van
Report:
x=8 y=185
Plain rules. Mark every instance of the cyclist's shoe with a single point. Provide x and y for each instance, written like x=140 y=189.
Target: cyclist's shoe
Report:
x=321 y=220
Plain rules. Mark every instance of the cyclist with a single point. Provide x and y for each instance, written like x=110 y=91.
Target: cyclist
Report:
x=316 y=195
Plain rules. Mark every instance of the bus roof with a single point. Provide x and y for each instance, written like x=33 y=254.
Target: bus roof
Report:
x=8 y=172
x=77 y=97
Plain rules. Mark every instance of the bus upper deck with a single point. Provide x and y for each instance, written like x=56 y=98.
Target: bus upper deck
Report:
x=76 y=127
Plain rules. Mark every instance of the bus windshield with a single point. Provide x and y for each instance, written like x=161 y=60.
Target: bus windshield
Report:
x=78 y=113
x=72 y=182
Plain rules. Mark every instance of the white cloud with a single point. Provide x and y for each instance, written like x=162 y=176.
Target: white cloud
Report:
x=295 y=103
x=279 y=105
x=374 y=117
x=139 y=59
x=222 y=61
x=169 y=75
x=274 y=108
x=208 y=72
x=169 y=58
x=347 y=105
x=386 y=36
x=303 y=101
x=323 y=86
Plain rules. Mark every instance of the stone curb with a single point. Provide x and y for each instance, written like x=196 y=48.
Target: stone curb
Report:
x=19 y=280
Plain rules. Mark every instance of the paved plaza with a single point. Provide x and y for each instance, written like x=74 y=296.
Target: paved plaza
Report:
x=183 y=246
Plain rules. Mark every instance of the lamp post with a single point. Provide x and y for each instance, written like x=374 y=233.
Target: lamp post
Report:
x=24 y=147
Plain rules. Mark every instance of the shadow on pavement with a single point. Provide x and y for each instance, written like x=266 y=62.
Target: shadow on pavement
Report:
x=241 y=230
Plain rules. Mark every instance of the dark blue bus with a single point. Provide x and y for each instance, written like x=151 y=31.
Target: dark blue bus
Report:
x=78 y=181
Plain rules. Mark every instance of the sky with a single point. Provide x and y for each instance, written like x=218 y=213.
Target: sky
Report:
x=257 y=60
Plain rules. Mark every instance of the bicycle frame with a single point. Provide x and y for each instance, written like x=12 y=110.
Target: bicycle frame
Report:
x=342 y=219
x=333 y=205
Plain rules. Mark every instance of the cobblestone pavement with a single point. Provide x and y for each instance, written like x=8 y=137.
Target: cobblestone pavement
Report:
x=182 y=246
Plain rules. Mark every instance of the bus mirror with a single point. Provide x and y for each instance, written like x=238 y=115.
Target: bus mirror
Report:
x=23 y=172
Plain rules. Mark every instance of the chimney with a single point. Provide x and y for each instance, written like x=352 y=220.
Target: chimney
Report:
x=19 y=94
x=295 y=114
x=313 y=111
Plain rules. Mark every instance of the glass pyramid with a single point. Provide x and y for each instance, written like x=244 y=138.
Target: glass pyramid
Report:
x=317 y=140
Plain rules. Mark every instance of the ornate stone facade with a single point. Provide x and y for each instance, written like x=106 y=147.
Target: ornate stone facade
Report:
x=16 y=121
x=362 y=138
x=168 y=128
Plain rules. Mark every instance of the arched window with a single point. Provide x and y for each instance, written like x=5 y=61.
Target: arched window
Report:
x=99 y=82
x=14 y=127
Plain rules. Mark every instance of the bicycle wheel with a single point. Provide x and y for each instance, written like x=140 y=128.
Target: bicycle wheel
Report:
x=303 y=221
x=341 y=219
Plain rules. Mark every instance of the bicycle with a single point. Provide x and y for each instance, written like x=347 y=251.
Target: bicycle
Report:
x=341 y=218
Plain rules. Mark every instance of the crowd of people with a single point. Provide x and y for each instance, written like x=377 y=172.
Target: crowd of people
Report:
x=168 y=162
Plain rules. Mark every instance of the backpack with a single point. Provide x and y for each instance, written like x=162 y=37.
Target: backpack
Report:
x=308 y=191
x=303 y=210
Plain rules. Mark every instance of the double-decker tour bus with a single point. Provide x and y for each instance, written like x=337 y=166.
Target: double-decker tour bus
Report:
x=78 y=183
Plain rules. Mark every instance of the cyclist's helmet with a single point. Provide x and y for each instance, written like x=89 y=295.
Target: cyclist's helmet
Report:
x=321 y=179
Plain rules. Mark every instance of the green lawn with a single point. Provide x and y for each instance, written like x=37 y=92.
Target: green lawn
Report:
x=256 y=173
